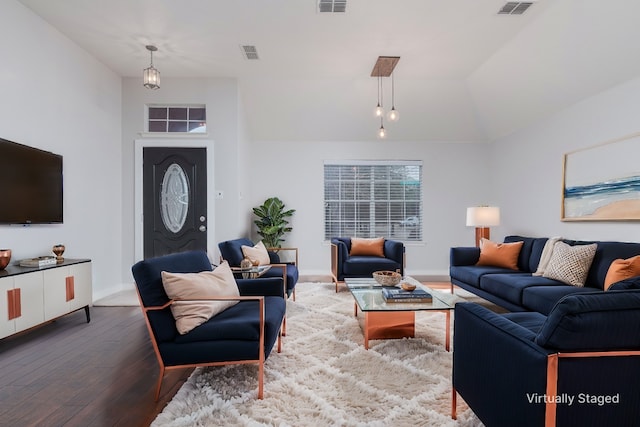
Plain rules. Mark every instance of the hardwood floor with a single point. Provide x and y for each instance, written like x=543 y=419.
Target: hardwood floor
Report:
x=73 y=373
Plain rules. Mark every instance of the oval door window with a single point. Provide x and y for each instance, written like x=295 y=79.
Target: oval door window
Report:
x=174 y=198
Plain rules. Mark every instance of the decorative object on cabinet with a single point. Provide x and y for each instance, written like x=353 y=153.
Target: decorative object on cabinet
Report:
x=5 y=258
x=58 y=250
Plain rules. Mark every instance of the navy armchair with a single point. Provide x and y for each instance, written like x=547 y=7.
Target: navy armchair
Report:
x=577 y=366
x=343 y=264
x=243 y=333
x=231 y=251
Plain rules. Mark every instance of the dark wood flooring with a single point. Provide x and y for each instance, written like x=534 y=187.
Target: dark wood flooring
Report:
x=73 y=373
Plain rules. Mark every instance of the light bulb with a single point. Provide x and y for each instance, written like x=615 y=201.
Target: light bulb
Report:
x=393 y=115
x=382 y=133
x=379 y=111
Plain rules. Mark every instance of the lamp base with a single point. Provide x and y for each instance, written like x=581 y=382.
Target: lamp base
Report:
x=481 y=232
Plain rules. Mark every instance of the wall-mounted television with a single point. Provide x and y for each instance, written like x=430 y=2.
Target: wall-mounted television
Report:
x=30 y=185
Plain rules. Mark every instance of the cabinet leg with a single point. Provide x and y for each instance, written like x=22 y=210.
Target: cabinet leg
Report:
x=86 y=311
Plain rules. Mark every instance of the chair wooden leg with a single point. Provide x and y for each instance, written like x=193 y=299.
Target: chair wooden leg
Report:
x=280 y=341
x=160 y=378
x=284 y=326
x=294 y=294
x=260 y=380
x=454 y=398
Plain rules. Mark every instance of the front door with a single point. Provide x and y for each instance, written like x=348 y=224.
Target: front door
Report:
x=174 y=186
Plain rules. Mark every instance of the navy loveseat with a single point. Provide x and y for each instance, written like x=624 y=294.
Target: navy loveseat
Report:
x=575 y=367
x=520 y=290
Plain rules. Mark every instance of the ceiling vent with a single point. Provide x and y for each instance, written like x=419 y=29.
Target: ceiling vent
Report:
x=332 y=6
x=249 y=52
x=514 y=8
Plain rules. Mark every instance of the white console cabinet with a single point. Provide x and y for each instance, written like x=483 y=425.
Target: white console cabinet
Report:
x=31 y=296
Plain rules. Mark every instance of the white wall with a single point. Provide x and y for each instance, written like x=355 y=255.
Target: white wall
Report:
x=56 y=97
x=527 y=166
x=455 y=176
x=224 y=127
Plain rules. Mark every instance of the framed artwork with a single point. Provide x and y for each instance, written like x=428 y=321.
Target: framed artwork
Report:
x=602 y=183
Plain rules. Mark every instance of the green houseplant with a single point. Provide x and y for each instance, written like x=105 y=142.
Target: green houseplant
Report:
x=272 y=221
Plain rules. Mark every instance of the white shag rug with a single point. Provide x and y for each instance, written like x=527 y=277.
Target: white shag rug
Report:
x=325 y=377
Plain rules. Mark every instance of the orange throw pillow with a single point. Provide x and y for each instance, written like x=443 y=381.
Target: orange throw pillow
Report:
x=621 y=269
x=367 y=247
x=500 y=254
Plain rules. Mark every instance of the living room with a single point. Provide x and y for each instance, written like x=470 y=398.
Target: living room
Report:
x=568 y=79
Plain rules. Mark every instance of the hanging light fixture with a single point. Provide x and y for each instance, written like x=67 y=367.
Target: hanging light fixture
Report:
x=382 y=133
x=393 y=115
x=151 y=76
x=379 y=111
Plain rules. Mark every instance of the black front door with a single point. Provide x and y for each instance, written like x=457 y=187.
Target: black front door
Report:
x=175 y=200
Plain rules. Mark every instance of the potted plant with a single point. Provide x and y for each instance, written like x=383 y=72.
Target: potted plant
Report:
x=272 y=221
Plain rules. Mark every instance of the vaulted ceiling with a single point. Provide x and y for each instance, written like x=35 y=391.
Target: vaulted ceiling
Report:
x=466 y=73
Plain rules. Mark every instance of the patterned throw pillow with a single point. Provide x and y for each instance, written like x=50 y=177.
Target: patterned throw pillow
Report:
x=570 y=264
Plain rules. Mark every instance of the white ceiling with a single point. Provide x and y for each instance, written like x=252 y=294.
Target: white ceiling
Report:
x=465 y=74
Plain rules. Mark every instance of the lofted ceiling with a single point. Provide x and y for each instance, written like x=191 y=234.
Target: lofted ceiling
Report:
x=466 y=73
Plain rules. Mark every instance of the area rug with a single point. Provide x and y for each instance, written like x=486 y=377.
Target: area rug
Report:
x=325 y=377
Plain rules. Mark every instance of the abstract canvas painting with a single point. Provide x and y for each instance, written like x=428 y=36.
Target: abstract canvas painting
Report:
x=602 y=183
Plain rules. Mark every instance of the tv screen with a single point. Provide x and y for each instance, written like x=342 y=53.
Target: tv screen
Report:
x=30 y=185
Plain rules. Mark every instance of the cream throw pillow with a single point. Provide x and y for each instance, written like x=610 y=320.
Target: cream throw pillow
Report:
x=257 y=253
x=206 y=284
x=570 y=264
x=547 y=251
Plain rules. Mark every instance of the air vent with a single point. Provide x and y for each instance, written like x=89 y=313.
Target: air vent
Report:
x=514 y=8
x=249 y=51
x=332 y=6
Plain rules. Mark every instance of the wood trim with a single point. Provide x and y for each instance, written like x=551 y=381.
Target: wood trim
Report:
x=334 y=264
x=70 y=285
x=17 y=301
x=384 y=66
x=10 y=305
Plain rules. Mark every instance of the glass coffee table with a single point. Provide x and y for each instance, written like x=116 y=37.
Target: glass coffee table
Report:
x=384 y=320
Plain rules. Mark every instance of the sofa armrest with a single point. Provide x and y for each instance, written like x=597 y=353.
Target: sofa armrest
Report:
x=394 y=250
x=266 y=286
x=626 y=284
x=459 y=256
x=274 y=255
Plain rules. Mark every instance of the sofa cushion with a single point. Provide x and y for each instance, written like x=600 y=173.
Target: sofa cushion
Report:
x=499 y=254
x=621 y=269
x=364 y=266
x=543 y=298
x=529 y=319
x=256 y=253
x=530 y=252
x=570 y=264
x=471 y=274
x=606 y=253
x=191 y=286
x=510 y=286
x=593 y=321
x=627 y=284
x=367 y=247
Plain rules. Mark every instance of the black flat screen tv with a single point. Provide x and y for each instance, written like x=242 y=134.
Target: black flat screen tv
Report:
x=30 y=185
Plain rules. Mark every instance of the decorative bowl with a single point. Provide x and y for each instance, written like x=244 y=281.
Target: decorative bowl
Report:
x=408 y=286
x=387 y=278
x=5 y=258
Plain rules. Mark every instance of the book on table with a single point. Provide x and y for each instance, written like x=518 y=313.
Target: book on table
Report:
x=400 y=295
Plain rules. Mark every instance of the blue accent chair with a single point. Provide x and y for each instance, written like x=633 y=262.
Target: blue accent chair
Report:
x=344 y=265
x=243 y=333
x=231 y=251
x=577 y=366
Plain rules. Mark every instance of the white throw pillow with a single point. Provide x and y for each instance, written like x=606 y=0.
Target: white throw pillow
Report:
x=192 y=286
x=257 y=253
x=547 y=251
x=570 y=264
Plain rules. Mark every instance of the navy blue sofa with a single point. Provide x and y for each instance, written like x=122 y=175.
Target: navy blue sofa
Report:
x=243 y=333
x=231 y=251
x=584 y=356
x=343 y=265
x=520 y=290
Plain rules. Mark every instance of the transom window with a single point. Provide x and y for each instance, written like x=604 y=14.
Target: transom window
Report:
x=373 y=199
x=167 y=118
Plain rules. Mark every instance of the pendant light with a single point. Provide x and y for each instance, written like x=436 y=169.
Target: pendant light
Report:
x=393 y=115
x=151 y=76
x=379 y=111
x=382 y=133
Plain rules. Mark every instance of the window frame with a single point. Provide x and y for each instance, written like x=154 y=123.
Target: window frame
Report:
x=167 y=120
x=347 y=205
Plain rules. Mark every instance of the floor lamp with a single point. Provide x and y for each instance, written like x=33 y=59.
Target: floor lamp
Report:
x=482 y=217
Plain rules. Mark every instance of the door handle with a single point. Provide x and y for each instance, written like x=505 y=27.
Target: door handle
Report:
x=202 y=228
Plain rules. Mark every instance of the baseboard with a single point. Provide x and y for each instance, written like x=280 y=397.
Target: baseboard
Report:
x=112 y=290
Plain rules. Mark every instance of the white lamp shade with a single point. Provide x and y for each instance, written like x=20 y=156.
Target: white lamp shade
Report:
x=483 y=216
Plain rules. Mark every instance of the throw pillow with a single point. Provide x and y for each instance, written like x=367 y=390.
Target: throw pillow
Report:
x=570 y=264
x=547 y=251
x=191 y=286
x=499 y=254
x=257 y=253
x=622 y=269
x=367 y=247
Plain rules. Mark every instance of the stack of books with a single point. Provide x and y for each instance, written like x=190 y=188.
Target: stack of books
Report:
x=400 y=295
